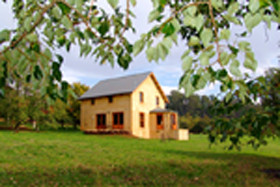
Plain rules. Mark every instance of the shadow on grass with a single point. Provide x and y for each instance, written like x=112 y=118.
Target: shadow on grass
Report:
x=216 y=169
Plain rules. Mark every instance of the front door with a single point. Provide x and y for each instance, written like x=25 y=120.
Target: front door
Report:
x=101 y=121
x=160 y=121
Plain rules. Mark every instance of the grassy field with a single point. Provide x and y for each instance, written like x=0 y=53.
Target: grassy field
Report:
x=75 y=159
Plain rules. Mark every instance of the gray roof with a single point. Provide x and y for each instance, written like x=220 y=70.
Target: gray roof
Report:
x=116 y=86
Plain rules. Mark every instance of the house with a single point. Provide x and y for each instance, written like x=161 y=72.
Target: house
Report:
x=134 y=104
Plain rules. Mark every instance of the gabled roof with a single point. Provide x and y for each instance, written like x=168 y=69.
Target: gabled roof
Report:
x=121 y=85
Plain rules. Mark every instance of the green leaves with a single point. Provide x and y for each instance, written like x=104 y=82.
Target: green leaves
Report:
x=113 y=3
x=194 y=41
x=234 y=68
x=56 y=12
x=204 y=59
x=56 y=71
x=187 y=63
x=133 y=2
x=252 y=20
x=195 y=22
x=138 y=46
x=225 y=34
x=217 y=4
x=4 y=35
x=250 y=64
x=233 y=8
x=254 y=5
x=67 y=22
x=168 y=29
x=38 y=74
x=104 y=28
x=64 y=8
x=206 y=36
x=153 y=15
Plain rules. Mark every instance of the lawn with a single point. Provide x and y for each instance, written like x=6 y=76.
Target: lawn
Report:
x=75 y=159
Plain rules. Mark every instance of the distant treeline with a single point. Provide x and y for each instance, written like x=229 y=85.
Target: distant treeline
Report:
x=196 y=112
x=22 y=105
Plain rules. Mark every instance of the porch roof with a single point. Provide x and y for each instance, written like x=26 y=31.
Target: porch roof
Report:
x=162 y=110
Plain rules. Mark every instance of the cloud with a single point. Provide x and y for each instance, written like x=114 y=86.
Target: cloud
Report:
x=211 y=89
x=167 y=89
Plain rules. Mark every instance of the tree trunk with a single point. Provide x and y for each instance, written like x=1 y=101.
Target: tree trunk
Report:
x=16 y=128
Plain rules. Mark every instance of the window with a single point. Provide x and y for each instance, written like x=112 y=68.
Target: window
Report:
x=173 y=121
x=92 y=101
x=118 y=120
x=101 y=121
x=159 y=121
x=157 y=100
x=110 y=98
x=141 y=97
x=142 y=119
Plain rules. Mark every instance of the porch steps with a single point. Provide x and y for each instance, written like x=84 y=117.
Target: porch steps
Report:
x=106 y=131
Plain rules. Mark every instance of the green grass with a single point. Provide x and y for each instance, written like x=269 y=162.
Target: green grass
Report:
x=75 y=159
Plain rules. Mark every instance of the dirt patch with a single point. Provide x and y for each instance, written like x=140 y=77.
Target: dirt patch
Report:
x=274 y=173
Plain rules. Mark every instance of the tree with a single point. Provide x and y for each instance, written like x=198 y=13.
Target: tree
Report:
x=73 y=107
x=14 y=108
x=210 y=56
x=235 y=120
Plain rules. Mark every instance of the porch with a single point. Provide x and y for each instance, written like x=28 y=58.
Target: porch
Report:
x=164 y=125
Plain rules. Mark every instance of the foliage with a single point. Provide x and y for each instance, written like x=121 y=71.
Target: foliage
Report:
x=73 y=106
x=14 y=108
x=255 y=122
x=28 y=52
x=74 y=159
x=44 y=26
x=23 y=106
x=195 y=105
x=195 y=124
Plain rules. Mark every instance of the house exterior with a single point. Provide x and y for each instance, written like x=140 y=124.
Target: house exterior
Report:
x=134 y=104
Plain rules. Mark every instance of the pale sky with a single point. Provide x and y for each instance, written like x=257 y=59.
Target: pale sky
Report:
x=168 y=72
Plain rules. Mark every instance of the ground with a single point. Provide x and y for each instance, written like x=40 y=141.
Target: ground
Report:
x=75 y=159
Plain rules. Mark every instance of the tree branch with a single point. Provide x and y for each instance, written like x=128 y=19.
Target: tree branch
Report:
x=37 y=22
x=215 y=31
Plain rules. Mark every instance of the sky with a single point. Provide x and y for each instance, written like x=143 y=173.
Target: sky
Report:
x=265 y=44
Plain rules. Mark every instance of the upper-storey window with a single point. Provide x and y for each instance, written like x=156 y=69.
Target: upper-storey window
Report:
x=141 y=97
x=157 y=100
x=92 y=101
x=110 y=99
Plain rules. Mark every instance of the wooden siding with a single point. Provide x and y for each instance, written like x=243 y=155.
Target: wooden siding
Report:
x=121 y=103
x=150 y=92
x=131 y=107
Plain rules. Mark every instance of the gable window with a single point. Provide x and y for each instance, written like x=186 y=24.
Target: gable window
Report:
x=142 y=119
x=101 y=121
x=173 y=121
x=110 y=99
x=92 y=101
x=141 y=97
x=159 y=121
x=157 y=100
x=118 y=120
